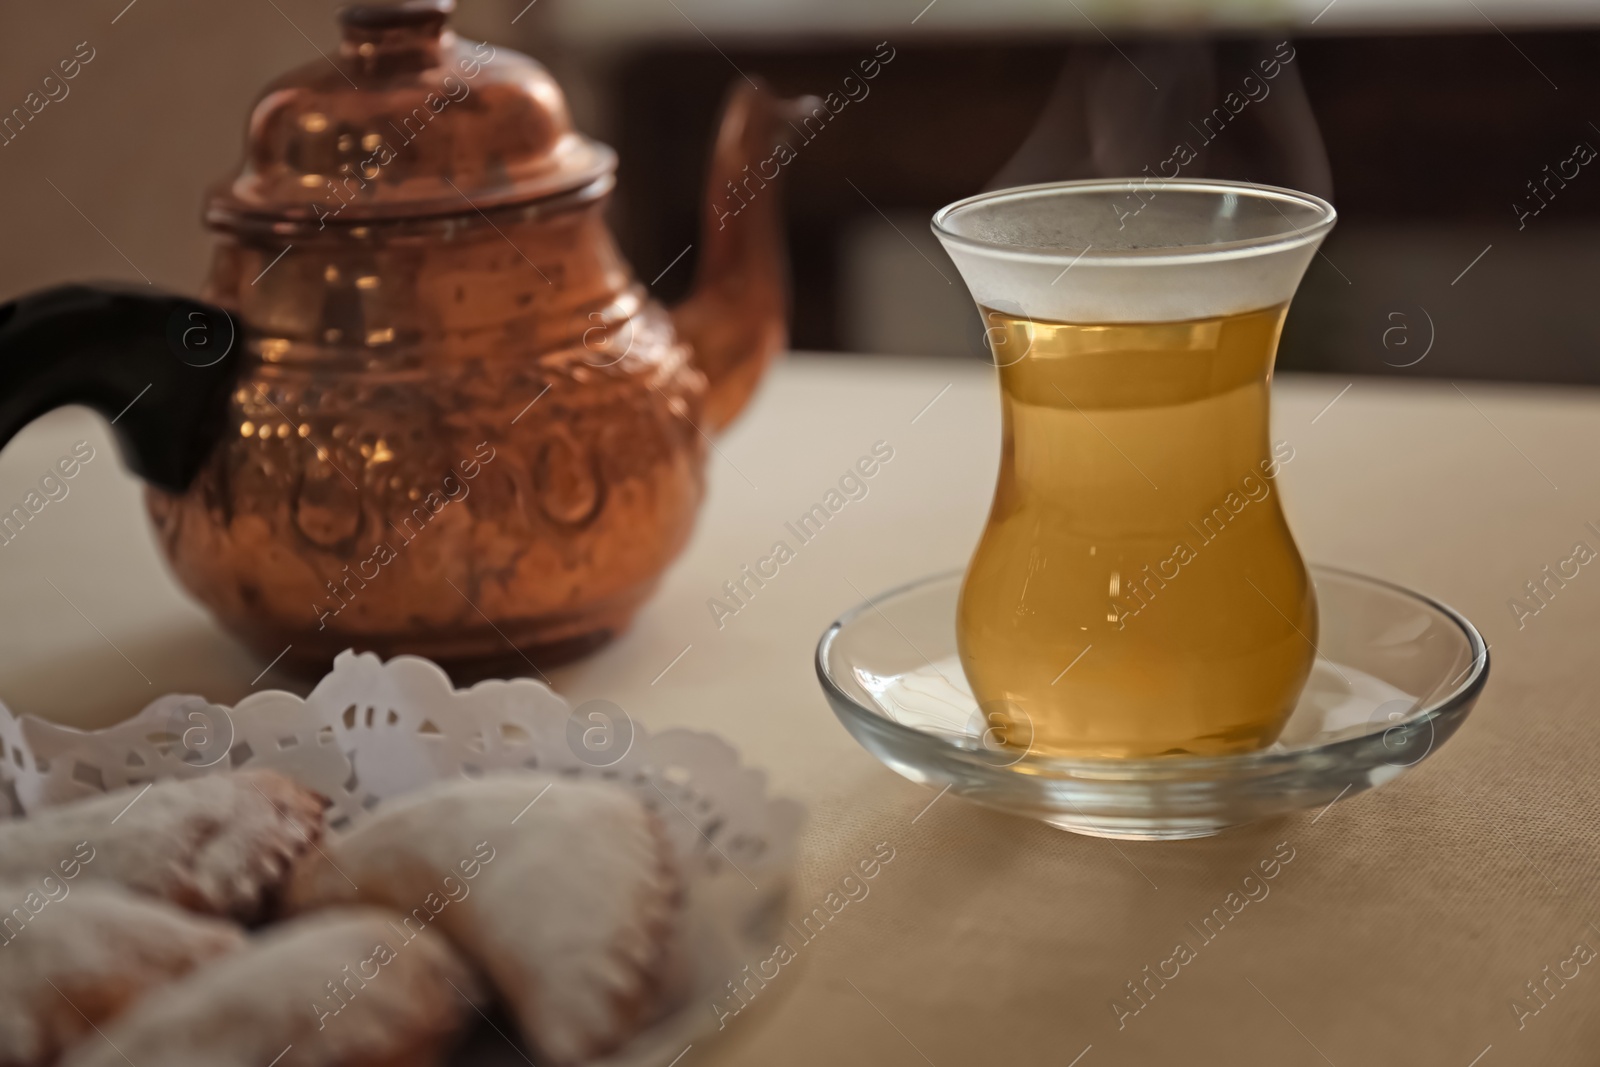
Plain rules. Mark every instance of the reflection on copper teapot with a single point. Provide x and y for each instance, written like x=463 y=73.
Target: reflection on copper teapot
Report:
x=425 y=407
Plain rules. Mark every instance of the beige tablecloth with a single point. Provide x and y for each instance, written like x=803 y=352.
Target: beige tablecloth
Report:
x=1402 y=925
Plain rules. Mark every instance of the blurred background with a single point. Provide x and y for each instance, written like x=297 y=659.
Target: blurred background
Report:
x=1454 y=136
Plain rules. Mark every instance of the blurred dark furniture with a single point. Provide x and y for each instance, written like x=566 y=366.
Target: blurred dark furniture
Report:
x=1431 y=139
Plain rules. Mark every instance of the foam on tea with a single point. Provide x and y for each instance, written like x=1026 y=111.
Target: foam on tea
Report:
x=1100 y=252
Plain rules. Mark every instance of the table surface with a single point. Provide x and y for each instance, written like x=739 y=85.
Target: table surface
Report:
x=1403 y=929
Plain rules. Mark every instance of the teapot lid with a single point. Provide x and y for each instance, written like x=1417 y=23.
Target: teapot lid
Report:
x=407 y=120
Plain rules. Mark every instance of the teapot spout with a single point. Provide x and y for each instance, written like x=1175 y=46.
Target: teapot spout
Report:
x=736 y=318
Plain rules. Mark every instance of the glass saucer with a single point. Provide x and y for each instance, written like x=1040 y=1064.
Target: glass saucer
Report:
x=1395 y=675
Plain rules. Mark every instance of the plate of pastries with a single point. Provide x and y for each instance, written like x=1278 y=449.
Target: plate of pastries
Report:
x=387 y=873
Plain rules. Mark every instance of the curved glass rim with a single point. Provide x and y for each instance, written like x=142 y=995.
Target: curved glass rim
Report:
x=1265 y=760
x=1293 y=237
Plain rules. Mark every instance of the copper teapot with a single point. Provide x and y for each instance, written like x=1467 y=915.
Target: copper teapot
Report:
x=425 y=407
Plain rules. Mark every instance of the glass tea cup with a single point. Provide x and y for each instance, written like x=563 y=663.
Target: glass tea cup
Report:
x=1136 y=591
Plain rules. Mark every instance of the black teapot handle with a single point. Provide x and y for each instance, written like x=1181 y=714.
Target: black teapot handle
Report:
x=158 y=366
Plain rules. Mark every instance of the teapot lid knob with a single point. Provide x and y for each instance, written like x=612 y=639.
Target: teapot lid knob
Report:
x=428 y=16
x=380 y=40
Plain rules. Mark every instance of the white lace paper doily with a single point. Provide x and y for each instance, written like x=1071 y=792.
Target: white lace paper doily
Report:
x=372 y=729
